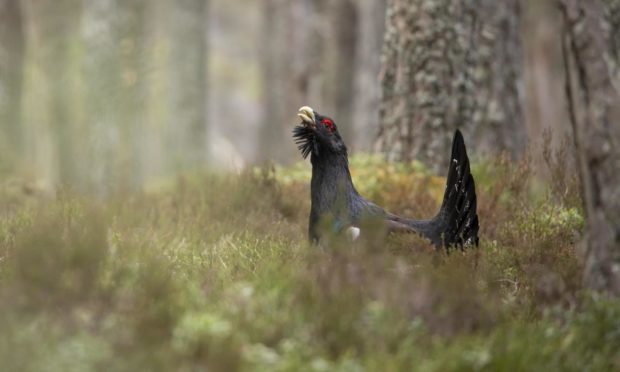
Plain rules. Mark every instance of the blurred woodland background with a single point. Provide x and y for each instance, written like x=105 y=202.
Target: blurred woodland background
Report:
x=108 y=95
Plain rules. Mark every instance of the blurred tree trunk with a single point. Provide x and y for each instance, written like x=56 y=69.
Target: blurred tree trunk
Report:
x=450 y=64
x=500 y=90
x=11 y=78
x=339 y=35
x=156 y=140
x=272 y=65
x=56 y=38
x=308 y=57
x=289 y=50
x=102 y=81
x=371 y=27
x=116 y=59
x=591 y=49
x=131 y=39
x=188 y=80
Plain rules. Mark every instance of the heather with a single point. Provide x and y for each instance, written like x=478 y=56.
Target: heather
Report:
x=212 y=271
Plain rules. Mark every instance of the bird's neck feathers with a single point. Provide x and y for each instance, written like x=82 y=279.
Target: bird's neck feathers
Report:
x=331 y=181
x=333 y=166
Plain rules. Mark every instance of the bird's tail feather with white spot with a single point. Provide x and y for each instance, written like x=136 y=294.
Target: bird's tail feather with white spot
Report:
x=457 y=220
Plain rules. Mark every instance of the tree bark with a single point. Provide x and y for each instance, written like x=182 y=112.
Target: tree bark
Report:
x=11 y=78
x=449 y=64
x=590 y=51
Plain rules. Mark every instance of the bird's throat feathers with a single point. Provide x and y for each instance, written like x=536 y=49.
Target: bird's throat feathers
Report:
x=335 y=165
x=331 y=180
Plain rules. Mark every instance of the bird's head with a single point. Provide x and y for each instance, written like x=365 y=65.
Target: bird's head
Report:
x=317 y=134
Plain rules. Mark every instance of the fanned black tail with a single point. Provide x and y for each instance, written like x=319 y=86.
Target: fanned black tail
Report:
x=456 y=224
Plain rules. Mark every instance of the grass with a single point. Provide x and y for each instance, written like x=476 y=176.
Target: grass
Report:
x=214 y=273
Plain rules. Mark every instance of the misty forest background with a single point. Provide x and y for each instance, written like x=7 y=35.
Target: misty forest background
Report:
x=109 y=95
x=153 y=206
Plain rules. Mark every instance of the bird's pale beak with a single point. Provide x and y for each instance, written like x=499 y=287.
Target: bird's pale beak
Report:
x=306 y=114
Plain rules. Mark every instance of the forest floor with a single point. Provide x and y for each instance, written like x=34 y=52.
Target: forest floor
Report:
x=213 y=272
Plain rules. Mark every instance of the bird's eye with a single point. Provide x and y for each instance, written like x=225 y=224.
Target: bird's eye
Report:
x=329 y=124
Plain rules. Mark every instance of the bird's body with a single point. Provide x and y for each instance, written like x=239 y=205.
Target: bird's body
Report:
x=334 y=196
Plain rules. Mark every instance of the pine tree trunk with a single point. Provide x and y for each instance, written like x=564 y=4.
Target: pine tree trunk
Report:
x=591 y=50
x=446 y=64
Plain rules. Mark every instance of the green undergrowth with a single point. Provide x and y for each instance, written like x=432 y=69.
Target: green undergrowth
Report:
x=213 y=272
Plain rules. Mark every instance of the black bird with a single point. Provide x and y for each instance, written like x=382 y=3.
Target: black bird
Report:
x=335 y=198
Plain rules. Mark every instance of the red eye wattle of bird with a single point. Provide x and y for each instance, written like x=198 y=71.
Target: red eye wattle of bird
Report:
x=329 y=124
